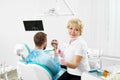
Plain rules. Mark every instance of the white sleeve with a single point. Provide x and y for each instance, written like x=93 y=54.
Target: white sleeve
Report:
x=80 y=49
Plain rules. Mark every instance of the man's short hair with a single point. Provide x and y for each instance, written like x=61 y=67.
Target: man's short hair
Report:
x=40 y=38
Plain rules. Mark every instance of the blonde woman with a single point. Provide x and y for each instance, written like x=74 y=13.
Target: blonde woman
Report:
x=75 y=53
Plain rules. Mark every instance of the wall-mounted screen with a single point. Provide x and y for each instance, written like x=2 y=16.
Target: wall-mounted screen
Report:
x=33 y=25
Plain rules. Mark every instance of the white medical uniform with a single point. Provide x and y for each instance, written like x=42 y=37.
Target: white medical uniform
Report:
x=77 y=47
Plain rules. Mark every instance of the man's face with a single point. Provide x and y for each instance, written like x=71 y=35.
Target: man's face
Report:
x=45 y=45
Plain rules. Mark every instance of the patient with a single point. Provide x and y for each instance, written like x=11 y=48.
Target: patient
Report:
x=38 y=56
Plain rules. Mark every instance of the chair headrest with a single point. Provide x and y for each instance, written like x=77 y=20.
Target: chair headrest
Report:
x=21 y=49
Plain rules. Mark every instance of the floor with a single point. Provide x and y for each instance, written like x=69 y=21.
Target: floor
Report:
x=12 y=75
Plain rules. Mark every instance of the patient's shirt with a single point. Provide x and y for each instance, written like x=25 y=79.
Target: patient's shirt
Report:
x=40 y=57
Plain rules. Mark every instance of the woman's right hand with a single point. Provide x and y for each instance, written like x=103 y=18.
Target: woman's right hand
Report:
x=63 y=62
x=61 y=54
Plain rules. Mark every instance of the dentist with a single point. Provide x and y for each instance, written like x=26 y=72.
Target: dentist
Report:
x=75 y=55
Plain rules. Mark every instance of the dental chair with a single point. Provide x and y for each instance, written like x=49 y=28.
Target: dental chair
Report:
x=30 y=71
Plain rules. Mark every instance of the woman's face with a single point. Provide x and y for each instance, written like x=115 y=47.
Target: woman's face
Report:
x=73 y=31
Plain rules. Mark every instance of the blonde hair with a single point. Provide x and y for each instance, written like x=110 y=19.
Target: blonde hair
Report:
x=78 y=24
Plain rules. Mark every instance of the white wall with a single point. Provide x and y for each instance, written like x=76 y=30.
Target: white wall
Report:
x=93 y=13
x=104 y=27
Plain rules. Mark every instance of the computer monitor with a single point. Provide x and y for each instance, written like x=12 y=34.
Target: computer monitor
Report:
x=33 y=25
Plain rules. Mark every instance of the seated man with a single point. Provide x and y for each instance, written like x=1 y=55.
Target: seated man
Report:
x=38 y=55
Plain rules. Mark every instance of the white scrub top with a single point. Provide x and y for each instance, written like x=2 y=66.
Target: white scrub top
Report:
x=77 y=47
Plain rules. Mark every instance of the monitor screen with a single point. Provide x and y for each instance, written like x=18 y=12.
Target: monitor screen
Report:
x=33 y=25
